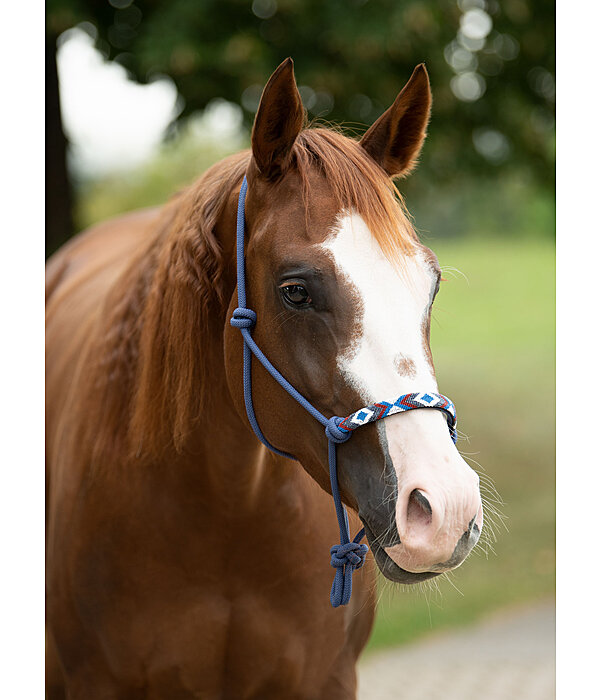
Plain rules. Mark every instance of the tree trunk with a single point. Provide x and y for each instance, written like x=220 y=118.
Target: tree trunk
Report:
x=59 y=218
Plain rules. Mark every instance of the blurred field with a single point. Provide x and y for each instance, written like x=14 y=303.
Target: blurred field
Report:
x=493 y=345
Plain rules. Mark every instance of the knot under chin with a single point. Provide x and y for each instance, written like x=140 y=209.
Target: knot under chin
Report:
x=345 y=558
x=351 y=554
x=334 y=432
x=243 y=318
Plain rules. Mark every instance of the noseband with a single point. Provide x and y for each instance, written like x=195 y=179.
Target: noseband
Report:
x=349 y=555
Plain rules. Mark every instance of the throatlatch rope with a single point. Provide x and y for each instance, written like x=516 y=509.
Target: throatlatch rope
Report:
x=349 y=555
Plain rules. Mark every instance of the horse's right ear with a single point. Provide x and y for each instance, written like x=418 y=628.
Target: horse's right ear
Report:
x=279 y=120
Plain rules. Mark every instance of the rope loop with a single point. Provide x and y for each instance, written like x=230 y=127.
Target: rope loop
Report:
x=243 y=318
x=333 y=433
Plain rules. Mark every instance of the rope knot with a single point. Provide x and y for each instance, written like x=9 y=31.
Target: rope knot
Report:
x=333 y=431
x=351 y=554
x=243 y=318
x=345 y=559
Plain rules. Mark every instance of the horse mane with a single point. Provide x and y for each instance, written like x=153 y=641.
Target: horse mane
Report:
x=148 y=385
x=148 y=363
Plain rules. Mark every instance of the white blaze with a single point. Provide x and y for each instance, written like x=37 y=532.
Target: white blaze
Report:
x=394 y=302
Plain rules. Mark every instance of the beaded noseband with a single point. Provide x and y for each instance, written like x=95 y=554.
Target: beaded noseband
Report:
x=349 y=554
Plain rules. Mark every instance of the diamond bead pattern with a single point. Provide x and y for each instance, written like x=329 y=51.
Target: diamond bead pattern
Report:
x=406 y=402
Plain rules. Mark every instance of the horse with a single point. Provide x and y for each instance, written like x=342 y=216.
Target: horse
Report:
x=184 y=558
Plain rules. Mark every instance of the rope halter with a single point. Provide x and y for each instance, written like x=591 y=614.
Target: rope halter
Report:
x=349 y=555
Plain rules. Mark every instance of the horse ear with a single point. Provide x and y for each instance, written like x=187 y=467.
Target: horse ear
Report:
x=279 y=120
x=395 y=139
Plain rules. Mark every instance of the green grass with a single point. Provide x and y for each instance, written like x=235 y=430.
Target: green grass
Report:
x=493 y=344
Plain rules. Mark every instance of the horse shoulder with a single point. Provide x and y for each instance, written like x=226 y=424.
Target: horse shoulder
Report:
x=79 y=277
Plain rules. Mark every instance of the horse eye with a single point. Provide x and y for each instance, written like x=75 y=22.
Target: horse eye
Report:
x=296 y=294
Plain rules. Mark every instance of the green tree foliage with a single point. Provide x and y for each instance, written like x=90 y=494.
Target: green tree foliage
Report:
x=491 y=64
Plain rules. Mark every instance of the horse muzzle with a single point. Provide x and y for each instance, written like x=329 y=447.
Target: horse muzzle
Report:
x=422 y=557
x=434 y=518
x=431 y=540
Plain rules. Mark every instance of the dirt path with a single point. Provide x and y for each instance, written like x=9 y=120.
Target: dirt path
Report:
x=509 y=656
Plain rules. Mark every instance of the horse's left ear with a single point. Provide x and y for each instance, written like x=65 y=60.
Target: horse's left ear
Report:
x=279 y=119
x=395 y=139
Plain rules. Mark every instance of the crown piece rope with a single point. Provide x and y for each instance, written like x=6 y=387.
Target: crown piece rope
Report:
x=349 y=555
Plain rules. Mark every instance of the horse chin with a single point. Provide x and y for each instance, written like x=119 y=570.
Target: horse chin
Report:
x=390 y=569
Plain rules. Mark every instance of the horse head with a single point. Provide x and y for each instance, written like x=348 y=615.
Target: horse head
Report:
x=343 y=291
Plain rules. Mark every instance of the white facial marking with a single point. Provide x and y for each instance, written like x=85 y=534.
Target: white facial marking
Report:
x=394 y=302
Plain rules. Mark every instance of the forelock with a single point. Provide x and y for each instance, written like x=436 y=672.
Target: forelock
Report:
x=357 y=184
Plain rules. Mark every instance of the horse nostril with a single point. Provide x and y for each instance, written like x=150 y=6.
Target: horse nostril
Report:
x=421 y=500
x=419 y=508
x=473 y=527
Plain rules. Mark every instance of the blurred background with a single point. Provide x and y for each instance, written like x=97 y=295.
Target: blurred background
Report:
x=143 y=96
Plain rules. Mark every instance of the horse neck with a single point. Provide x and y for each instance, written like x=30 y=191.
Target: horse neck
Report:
x=181 y=413
x=212 y=448
x=154 y=393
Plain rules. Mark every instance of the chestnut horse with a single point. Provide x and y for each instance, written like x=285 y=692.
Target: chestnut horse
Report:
x=184 y=558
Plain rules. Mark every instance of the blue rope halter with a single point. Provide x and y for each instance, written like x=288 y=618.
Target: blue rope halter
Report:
x=349 y=554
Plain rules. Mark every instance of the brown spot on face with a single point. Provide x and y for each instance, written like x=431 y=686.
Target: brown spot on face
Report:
x=405 y=366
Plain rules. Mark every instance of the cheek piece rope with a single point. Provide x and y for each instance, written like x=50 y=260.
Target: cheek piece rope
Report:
x=349 y=555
